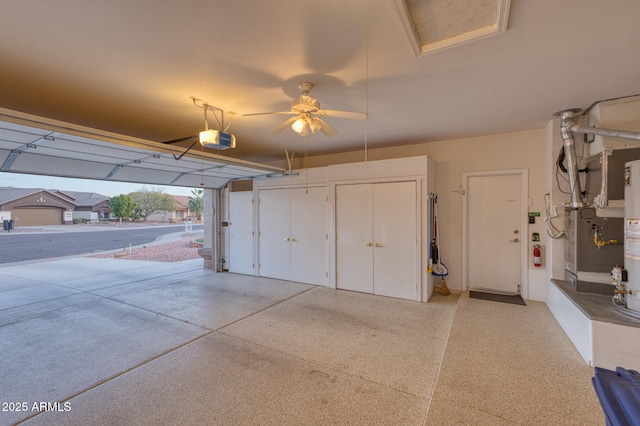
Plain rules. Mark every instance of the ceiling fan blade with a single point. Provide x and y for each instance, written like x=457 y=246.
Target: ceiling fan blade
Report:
x=284 y=125
x=270 y=113
x=349 y=115
x=325 y=128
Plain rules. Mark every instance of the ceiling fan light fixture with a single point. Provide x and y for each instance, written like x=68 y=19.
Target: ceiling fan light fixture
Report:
x=300 y=126
x=314 y=125
x=307 y=111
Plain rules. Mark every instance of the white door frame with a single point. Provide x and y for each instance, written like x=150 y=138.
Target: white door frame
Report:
x=524 y=224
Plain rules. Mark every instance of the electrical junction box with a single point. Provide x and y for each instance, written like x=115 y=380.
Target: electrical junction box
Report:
x=217 y=140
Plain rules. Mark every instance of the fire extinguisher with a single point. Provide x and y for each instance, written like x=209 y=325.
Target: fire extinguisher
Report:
x=537 y=257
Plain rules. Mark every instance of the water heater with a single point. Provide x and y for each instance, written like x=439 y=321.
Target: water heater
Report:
x=632 y=233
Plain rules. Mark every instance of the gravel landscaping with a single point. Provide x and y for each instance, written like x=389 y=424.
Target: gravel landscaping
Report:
x=175 y=251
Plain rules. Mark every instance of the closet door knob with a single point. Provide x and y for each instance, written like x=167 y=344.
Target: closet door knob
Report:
x=368 y=244
x=378 y=245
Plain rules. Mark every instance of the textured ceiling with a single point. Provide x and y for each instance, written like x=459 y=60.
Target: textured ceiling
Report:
x=130 y=67
x=433 y=25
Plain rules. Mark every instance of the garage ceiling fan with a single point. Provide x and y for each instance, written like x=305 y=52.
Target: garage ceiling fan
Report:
x=308 y=115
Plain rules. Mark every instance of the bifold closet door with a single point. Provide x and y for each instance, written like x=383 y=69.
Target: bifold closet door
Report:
x=395 y=240
x=354 y=237
x=274 y=235
x=241 y=232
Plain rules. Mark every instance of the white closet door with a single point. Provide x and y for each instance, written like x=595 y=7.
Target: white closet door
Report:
x=241 y=232
x=395 y=239
x=275 y=247
x=309 y=235
x=354 y=239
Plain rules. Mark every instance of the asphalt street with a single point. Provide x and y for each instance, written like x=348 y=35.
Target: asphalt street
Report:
x=18 y=247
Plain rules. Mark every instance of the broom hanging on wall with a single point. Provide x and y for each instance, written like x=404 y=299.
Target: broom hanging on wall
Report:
x=436 y=266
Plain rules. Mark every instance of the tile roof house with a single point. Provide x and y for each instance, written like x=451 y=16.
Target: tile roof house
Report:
x=181 y=213
x=36 y=206
x=91 y=206
x=39 y=206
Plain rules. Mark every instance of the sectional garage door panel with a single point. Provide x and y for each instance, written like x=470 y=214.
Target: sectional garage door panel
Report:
x=37 y=216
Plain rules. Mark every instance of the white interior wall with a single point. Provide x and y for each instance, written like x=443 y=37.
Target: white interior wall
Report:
x=522 y=150
x=519 y=150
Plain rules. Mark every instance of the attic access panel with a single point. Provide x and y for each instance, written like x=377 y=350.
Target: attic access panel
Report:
x=432 y=25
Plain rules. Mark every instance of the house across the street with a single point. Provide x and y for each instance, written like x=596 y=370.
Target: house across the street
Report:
x=92 y=207
x=182 y=212
x=41 y=207
x=36 y=206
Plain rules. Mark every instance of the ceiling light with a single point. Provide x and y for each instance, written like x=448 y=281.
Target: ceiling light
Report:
x=314 y=124
x=300 y=126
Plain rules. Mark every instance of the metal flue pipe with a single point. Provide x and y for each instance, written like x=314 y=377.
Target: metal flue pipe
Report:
x=570 y=153
x=620 y=134
x=568 y=127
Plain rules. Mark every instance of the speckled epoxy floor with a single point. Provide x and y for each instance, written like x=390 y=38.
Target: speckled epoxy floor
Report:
x=151 y=343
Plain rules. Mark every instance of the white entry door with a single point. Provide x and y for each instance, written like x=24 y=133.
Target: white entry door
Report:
x=495 y=232
x=241 y=232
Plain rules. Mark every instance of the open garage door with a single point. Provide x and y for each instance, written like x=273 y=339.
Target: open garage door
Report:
x=36 y=216
x=41 y=146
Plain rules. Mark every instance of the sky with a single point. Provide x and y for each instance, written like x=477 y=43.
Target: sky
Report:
x=109 y=189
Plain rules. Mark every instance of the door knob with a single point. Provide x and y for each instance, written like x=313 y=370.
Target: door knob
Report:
x=369 y=244
x=514 y=241
x=378 y=245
